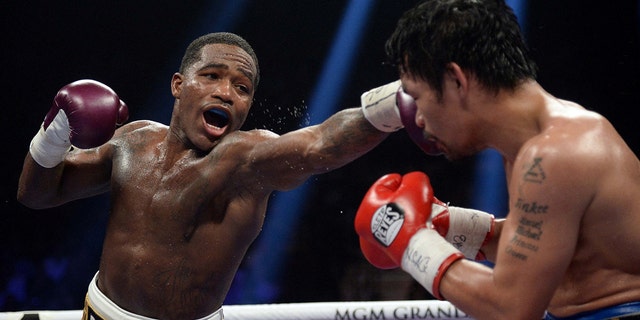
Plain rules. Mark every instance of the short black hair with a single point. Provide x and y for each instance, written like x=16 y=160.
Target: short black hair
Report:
x=481 y=36
x=192 y=54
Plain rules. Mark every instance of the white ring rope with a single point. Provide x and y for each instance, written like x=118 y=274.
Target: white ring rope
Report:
x=361 y=310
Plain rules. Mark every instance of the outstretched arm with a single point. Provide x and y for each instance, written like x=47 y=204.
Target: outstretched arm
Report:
x=287 y=161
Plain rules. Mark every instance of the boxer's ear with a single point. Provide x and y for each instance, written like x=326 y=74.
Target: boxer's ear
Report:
x=458 y=77
x=176 y=84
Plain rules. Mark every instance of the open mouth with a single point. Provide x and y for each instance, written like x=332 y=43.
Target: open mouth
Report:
x=216 y=118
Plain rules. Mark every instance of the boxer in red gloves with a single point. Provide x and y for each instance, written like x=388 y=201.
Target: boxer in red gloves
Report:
x=568 y=247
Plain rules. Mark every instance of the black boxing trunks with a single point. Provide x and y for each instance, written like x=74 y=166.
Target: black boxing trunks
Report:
x=98 y=307
x=625 y=311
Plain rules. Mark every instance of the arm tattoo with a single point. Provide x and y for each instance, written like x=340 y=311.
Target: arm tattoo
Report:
x=352 y=133
x=535 y=173
x=529 y=229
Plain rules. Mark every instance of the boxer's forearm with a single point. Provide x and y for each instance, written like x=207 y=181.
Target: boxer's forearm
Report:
x=37 y=185
x=490 y=248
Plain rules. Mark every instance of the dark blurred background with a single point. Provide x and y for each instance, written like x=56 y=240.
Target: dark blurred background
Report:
x=316 y=57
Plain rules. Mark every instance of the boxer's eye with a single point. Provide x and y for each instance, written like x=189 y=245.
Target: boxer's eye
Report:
x=216 y=118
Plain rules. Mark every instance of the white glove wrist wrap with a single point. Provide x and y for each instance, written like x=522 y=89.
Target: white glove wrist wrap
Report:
x=427 y=257
x=49 y=147
x=468 y=230
x=379 y=107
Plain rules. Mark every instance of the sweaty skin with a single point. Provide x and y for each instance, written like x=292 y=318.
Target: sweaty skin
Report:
x=188 y=199
x=570 y=240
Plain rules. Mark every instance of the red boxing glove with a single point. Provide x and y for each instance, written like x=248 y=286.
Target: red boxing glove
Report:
x=392 y=225
x=84 y=114
x=393 y=209
x=408 y=109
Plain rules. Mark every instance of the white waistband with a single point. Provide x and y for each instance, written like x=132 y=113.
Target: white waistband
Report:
x=107 y=309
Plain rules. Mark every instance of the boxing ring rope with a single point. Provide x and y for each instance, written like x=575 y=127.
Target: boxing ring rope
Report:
x=361 y=310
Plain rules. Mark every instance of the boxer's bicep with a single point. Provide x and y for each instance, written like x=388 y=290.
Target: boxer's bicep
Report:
x=290 y=159
x=284 y=162
x=83 y=173
x=87 y=172
x=539 y=237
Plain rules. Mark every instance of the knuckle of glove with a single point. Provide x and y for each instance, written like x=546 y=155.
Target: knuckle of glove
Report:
x=93 y=110
x=408 y=109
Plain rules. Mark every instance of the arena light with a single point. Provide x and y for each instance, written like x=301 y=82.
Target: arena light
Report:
x=258 y=280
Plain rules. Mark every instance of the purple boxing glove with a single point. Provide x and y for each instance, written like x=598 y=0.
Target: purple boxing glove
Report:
x=93 y=110
x=84 y=114
x=408 y=109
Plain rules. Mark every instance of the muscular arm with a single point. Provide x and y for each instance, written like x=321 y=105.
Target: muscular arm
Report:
x=85 y=114
x=40 y=188
x=83 y=173
x=287 y=161
x=535 y=247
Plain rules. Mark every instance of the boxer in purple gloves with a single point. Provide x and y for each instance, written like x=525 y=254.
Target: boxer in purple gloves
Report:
x=188 y=199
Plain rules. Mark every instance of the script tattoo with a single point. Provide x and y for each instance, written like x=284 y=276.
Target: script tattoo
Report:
x=517 y=241
x=531 y=207
x=516 y=254
x=528 y=232
x=531 y=229
x=535 y=173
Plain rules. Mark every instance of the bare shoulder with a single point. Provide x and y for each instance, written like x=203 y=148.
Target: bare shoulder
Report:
x=574 y=139
x=140 y=125
x=572 y=152
x=247 y=140
x=139 y=129
x=261 y=134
